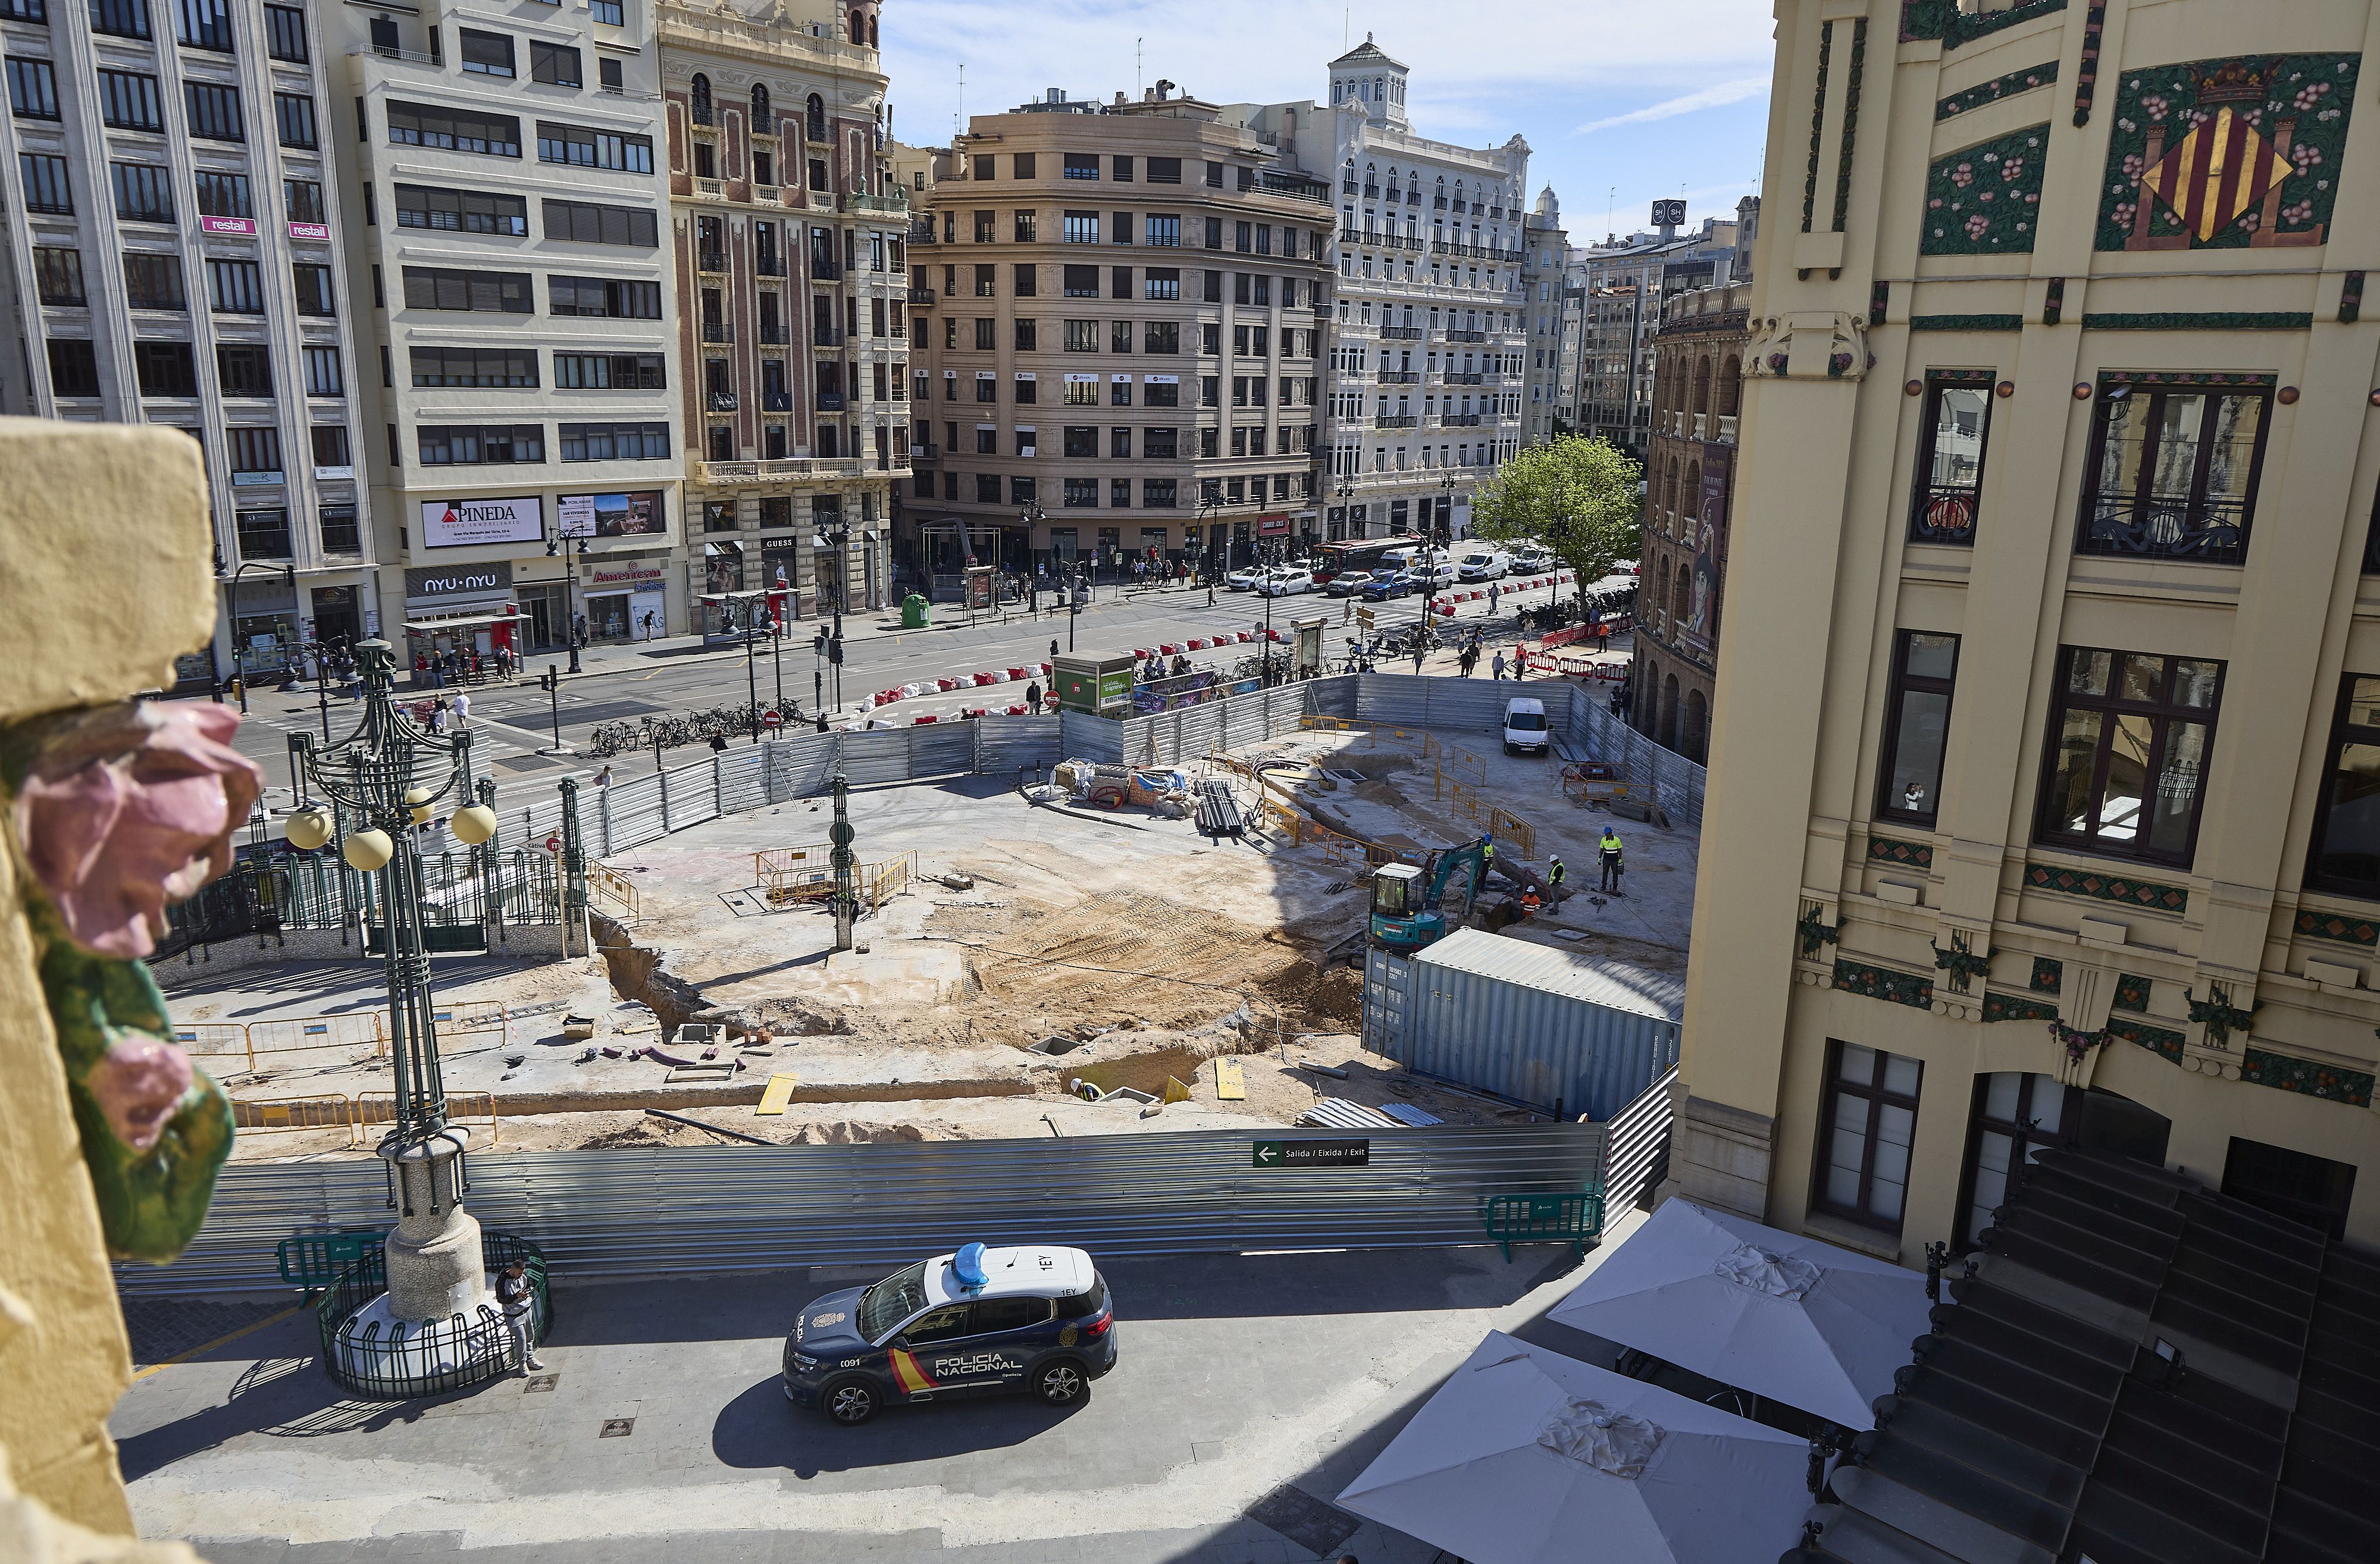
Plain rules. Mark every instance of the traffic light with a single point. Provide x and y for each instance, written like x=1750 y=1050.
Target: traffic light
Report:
x=547 y=680
x=834 y=651
x=818 y=642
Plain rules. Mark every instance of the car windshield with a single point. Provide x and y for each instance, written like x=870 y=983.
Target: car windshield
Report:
x=893 y=1300
x=1526 y=721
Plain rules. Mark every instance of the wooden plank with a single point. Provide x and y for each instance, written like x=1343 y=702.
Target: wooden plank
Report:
x=779 y=1091
x=1231 y=1081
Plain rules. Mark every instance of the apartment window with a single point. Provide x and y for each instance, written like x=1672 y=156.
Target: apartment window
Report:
x=165 y=368
x=330 y=442
x=1120 y=228
x=1244 y=236
x=1870 y=1119
x=285 y=33
x=444 y=287
x=616 y=298
x=1081 y=228
x=1027 y=336
x=480 y=444
x=117 y=18
x=1951 y=457
x=486 y=53
x=459 y=130
x=987 y=489
x=1082 y=391
x=213 y=111
x=323 y=376
x=2345 y=856
x=2173 y=472
x=293 y=114
x=1082 y=492
x=1917 y=723
x=1081 y=440
x=244 y=371
x=986 y=281
x=467 y=212
x=610 y=372
x=589 y=222
x=33 y=89
x=1082 y=336
x=1120 y=282
x=74 y=368
x=1161 y=336
x=611 y=13
x=1161 y=391
x=1028 y=280
x=313 y=285
x=985 y=339
x=2128 y=738
x=255 y=450
x=203 y=24
x=1211 y=289
x=302 y=200
x=224 y=195
x=1120 y=493
x=46 y=189
x=1210 y=337
x=1024 y=164
x=1081 y=282
x=1165 y=171
x=473 y=368
x=1164 y=233
x=556 y=65
x=150 y=282
x=262 y=534
x=57 y=274
x=1120 y=443
x=235 y=287
x=341 y=534
x=128 y=101
x=987 y=225
x=582 y=147
x=615 y=442
x=1209 y=387
x=1160 y=444
x=1082 y=165
x=2017 y=1116
x=1119 y=336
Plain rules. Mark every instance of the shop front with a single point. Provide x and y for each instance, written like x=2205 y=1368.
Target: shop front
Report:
x=263 y=608
x=627 y=600
x=338 y=617
x=459 y=611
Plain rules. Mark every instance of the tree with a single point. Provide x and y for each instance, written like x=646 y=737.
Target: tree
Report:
x=1576 y=496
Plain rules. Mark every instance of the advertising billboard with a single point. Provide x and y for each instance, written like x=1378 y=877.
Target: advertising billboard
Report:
x=456 y=524
x=635 y=513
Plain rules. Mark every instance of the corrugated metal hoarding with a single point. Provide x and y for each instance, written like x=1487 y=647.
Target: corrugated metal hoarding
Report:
x=1567 y=1033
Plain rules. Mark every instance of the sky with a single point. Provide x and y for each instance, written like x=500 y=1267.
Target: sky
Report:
x=1621 y=102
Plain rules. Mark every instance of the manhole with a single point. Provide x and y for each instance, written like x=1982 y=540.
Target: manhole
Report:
x=1054 y=1046
x=539 y=1382
x=617 y=1427
x=527 y=762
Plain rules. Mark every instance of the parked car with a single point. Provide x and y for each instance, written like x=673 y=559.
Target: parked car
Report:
x=978 y=1322
x=1438 y=572
x=1384 y=583
x=1480 y=563
x=1347 y=583
x=1524 y=726
x=1531 y=559
x=1244 y=578
x=1284 y=583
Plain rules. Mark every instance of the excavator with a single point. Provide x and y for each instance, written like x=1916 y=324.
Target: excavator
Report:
x=1411 y=905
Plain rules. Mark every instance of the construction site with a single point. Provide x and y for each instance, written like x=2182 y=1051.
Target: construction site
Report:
x=1092 y=947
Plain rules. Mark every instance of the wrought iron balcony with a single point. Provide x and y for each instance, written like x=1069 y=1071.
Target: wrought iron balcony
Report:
x=921 y=295
x=718 y=331
x=1453 y=335
x=1403 y=334
x=1451 y=420
x=712 y=260
x=896 y=202
x=776 y=401
x=824 y=335
x=772 y=334
x=720 y=401
x=1400 y=377
x=829 y=400
x=1462 y=380
x=1943 y=513
x=2209 y=531
x=769 y=266
x=1396 y=420
x=825 y=271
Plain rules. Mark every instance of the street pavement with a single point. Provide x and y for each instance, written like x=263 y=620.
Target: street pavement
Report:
x=1250 y=1390
x=513 y=726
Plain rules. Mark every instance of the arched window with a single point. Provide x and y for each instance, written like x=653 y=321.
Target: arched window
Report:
x=1690 y=501
x=1731 y=385
x=816 y=112
x=760 y=122
x=698 y=95
x=873 y=42
x=1702 y=384
x=1681 y=599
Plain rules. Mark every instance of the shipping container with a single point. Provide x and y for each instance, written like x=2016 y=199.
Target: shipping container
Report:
x=1563 y=1031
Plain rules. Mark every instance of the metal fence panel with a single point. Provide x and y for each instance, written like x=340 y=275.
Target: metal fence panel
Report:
x=1399 y=699
x=876 y=755
x=1333 y=696
x=1005 y=745
x=675 y=1210
x=939 y=748
x=1086 y=737
x=1638 y=1155
x=692 y=793
x=801 y=768
x=742 y=778
x=632 y=812
x=1677 y=783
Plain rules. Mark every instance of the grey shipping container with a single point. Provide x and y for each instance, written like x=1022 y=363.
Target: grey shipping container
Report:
x=1578 y=1034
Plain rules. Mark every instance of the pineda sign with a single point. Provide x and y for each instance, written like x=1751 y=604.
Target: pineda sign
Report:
x=454 y=524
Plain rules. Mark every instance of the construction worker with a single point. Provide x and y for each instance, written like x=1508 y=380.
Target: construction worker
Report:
x=1555 y=872
x=1608 y=851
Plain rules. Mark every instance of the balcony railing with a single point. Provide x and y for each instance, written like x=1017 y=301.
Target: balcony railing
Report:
x=1943 y=513
x=824 y=271
x=700 y=113
x=764 y=191
x=1400 y=377
x=1462 y=380
x=1453 y=335
x=1727 y=426
x=712 y=260
x=921 y=295
x=1403 y=334
x=769 y=266
x=897 y=202
x=2212 y=532
x=778 y=469
x=776 y=401
x=824 y=335
x=1460 y=420
x=720 y=401
x=829 y=400
x=712 y=187
x=1701 y=427
x=772 y=334
x=718 y=331
x=925 y=451
x=1396 y=420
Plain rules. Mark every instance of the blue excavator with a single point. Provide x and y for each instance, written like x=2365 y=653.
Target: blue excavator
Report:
x=1412 y=904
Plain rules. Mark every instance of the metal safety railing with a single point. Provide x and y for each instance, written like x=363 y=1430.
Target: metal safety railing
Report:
x=331 y=1110
x=394 y=1361
x=259 y=1044
x=615 y=888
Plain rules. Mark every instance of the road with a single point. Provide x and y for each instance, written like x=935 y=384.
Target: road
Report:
x=512 y=725
x=1249 y=1390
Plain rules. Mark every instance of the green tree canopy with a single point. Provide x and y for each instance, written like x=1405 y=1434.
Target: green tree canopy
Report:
x=1576 y=496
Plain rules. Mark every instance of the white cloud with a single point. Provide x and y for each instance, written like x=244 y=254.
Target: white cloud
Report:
x=1710 y=97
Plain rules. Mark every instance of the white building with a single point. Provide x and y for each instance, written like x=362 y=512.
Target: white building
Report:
x=1425 y=392
x=520 y=364
x=1544 y=267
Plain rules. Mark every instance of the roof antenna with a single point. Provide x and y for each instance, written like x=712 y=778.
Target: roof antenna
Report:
x=958 y=117
x=1137 y=88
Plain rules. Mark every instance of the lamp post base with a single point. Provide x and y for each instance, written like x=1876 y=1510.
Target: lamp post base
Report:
x=435 y=1271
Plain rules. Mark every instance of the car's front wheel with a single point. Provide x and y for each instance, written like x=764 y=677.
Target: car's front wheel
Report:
x=850 y=1401
x=1060 y=1384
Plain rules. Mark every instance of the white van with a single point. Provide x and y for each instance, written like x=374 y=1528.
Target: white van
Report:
x=1481 y=563
x=1400 y=557
x=1524 y=726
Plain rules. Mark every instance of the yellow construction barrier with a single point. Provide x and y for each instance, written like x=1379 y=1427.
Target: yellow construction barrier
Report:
x=325 y=1113
x=470 y=1020
x=613 y=887
x=1464 y=798
x=215 y=1039
x=1509 y=827
x=316 y=1034
x=1293 y=824
x=780 y=871
x=1459 y=760
x=462 y=1108
x=1313 y=724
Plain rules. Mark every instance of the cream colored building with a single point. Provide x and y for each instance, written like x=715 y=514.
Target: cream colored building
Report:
x=2048 y=719
x=1544 y=267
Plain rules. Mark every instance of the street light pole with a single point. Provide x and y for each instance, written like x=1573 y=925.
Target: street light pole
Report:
x=568 y=547
x=751 y=685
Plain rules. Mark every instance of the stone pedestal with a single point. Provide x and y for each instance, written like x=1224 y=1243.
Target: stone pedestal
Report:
x=434 y=1266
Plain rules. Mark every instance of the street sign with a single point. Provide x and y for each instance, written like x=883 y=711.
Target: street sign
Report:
x=1363 y=617
x=772 y=722
x=1310 y=1154
x=553 y=845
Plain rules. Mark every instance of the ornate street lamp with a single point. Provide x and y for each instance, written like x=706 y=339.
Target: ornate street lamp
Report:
x=386 y=777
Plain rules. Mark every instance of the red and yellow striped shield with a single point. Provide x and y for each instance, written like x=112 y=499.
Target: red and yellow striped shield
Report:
x=2219 y=171
x=908 y=1376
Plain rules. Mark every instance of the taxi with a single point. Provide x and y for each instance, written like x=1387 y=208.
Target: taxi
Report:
x=978 y=1322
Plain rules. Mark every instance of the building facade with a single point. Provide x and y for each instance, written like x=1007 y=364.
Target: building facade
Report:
x=1624 y=285
x=2054 y=822
x=787 y=236
x=1426 y=383
x=169 y=260
x=1544 y=276
x=1118 y=318
x=1689 y=493
x=520 y=361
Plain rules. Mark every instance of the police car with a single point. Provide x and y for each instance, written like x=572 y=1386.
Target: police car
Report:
x=979 y=1322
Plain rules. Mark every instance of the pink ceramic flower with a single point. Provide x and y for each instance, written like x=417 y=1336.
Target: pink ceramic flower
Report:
x=137 y=1083
x=127 y=807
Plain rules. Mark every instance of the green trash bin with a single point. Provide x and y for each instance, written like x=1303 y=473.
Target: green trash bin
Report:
x=913 y=612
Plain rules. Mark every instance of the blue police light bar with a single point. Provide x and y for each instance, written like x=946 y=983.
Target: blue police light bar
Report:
x=967 y=1266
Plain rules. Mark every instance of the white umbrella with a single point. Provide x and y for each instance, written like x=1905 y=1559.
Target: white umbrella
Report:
x=1528 y=1456
x=1792 y=1318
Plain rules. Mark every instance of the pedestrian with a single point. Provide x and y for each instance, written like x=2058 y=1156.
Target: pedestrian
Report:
x=437 y=717
x=604 y=778
x=1054 y=648
x=1608 y=854
x=1499 y=664
x=518 y=1299
x=1555 y=872
x=1468 y=658
x=717 y=743
x=462 y=707
x=1493 y=593
x=1033 y=695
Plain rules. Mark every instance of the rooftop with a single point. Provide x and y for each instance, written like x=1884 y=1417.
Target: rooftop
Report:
x=1602 y=980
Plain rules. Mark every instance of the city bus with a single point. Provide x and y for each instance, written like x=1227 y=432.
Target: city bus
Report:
x=1361 y=556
